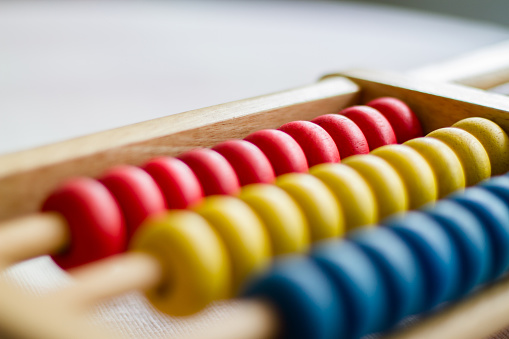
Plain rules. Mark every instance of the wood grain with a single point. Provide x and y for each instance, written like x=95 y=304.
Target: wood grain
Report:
x=437 y=105
x=26 y=178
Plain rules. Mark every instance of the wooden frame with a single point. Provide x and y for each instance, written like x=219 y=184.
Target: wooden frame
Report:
x=27 y=177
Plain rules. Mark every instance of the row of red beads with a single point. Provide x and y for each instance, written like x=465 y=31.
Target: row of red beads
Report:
x=102 y=215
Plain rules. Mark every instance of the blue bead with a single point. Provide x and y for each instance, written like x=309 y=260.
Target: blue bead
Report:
x=467 y=232
x=495 y=217
x=306 y=299
x=359 y=282
x=437 y=252
x=400 y=267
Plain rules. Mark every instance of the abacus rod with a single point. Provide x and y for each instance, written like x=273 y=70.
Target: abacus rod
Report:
x=39 y=234
x=478 y=316
x=252 y=319
x=110 y=277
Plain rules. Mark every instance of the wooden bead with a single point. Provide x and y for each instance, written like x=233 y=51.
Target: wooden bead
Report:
x=214 y=172
x=472 y=243
x=386 y=184
x=415 y=171
x=494 y=214
x=473 y=156
x=444 y=162
x=243 y=233
x=94 y=218
x=353 y=193
x=194 y=262
x=318 y=203
x=494 y=140
x=346 y=134
x=305 y=298
x=436 y=251
x=404 y=122
x=401 y=269
x=283 y=152
x=361 y=285
x=176 y=180
x=248 y=161
x=285 y=222
x=137 y=194
x=316 y=143
x=375 y=127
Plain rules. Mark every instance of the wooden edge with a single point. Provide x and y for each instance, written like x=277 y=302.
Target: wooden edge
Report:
x=27 y=177
x=480 y=315
x=437 y=105
x=484 y=68
x=23 y=316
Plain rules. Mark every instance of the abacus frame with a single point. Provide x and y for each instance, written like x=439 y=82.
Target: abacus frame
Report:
x=27 y=177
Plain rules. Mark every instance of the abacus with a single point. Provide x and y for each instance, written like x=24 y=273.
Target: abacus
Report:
x=260 y=178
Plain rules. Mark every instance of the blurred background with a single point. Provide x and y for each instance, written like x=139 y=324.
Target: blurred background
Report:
x=70 y=68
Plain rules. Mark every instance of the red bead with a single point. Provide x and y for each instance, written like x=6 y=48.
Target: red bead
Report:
x=248 y=161
x=346 y=134
x=94 y=218
x=375 y=127
x=283 y=152
x=316 y=143
x=137 y=194
x=214 y=172
x=404 y=122
x=179 y=184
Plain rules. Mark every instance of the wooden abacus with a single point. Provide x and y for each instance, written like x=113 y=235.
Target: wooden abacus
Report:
x=26 y=178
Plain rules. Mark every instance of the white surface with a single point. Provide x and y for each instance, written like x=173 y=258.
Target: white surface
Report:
x=73 y=68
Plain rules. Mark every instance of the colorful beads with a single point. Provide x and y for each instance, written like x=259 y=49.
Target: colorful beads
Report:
x=356 y=198
x=137 y=194
x=404 y=122
x=443 y=161
x=414 y=263
x=493 y=138
x=317 y=144
x=318 y=203
x=283 y=218
x=473 y=156
x=248 y=161
x=373 y=124
x=360 y=284
x=176 y=180
x=95 y=221
x=414 y=170
x=283 y=152
x=243 y=233
x=307 y=301
x=386 y=183
x=215 y=173
x=194 y=262
x=346 y=134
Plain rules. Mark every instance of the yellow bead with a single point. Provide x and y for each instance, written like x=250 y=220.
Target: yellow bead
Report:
x=284 y=220
x=243 y=233
x=444 y=162
x=494 y=140
x=318 y=203
x=195 y=265
x=385 y=182
x=415 y=171
x=473 y=156
x=352 y=191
